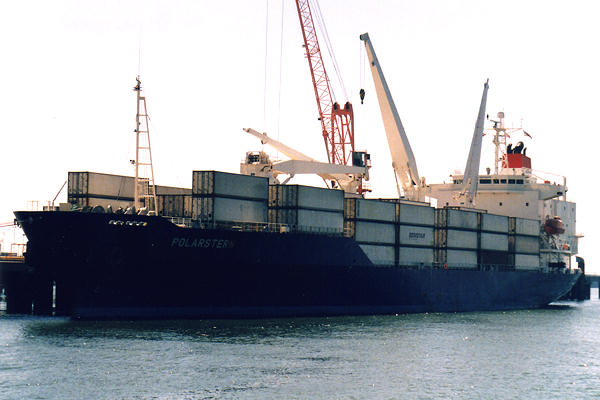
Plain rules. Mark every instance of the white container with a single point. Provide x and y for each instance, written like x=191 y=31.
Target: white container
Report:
x=379 y=255
x=308 y=220
x=320 y=221
x=526 y=244
x=95 y=184
x=375 y=232
x=372 y=210
x=461 y=239
x=416 y=235
x=416 y=214
x=527 y=261
x=219 y=209
x=494 y=223
x=461 y=259
x=298 y=196
x=174 y=205
x=171 y=190
x=530 y=227
x=415 y=256
x=224 y=184
x=494 y=241
x=461 y=219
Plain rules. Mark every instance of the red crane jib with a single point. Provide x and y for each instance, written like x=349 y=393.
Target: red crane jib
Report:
x=337 y=123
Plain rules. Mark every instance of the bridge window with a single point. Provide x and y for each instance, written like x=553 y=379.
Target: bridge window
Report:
x=485 y=181
x=511 y=181
x=496 y=181
x=502 y=180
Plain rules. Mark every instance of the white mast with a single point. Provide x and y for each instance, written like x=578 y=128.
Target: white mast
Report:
x=471 y=176
x=403 y=160
x=144 y=188
x=499 y=140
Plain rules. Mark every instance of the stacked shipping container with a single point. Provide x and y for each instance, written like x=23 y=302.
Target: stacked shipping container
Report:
x=416 y=235
x=466 y=238
x=493 y=240
x=372 y=224
x=456 y=237
x=225 y=197
x=524 y=242
x=174 y=205
x=307 y=208
x=392 y=232
x=97 y=189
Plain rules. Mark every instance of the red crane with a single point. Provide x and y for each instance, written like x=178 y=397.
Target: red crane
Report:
x=337 y=123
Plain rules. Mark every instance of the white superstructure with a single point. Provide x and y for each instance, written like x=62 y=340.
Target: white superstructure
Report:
x=514 y=190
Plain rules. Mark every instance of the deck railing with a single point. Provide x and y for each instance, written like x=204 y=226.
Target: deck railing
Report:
x=245 y=226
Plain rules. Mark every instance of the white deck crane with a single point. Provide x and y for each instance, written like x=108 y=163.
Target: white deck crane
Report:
x=347 y=169
x=349 y=177
x=408 y=182
x=471 y=176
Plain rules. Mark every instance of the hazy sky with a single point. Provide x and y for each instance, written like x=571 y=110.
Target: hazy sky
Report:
x=68 y=69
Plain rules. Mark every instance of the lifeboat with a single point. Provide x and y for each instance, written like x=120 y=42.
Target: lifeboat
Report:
x=554 y=226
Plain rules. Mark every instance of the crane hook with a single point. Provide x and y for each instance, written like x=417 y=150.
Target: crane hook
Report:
x=362 y=95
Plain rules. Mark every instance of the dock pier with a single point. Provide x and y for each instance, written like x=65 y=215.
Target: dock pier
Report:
x=16 y=284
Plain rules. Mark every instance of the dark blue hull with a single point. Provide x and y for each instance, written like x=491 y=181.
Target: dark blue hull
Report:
x=147 y=267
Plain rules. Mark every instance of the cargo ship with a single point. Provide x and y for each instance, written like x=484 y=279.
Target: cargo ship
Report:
x=247 y=245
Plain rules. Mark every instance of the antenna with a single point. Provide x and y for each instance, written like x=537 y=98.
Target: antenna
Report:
x=144 y=188
x=140 y=52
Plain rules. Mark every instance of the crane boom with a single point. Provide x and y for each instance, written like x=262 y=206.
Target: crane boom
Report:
x=403 y=160
x=337 y=123
x=471 y=175
x=349 y=177
x=288 y=151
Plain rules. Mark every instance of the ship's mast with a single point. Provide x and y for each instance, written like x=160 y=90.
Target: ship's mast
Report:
x=145 y=190
x=499 y=140
x=501 y=132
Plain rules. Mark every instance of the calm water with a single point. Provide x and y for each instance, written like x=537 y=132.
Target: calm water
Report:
x=552 y=353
